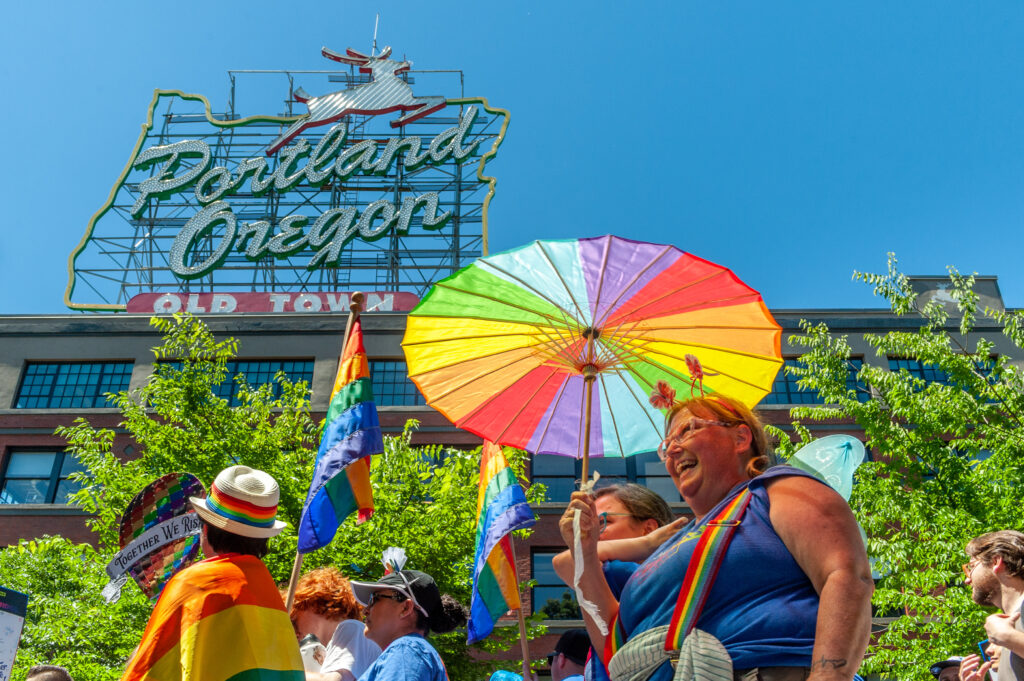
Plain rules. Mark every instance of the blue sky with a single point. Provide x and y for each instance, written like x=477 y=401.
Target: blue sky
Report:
x=791 y=141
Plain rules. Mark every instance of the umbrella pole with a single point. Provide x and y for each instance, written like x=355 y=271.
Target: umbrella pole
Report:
x=589 y=376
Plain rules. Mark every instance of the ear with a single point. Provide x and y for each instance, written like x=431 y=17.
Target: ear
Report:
x=648 y=526
x=998 y=566
x=743 y=437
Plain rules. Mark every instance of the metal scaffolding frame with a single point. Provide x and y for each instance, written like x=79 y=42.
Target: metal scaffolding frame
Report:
x=127 y=256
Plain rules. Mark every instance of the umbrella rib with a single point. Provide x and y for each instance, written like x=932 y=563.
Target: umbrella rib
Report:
x=524 y=405
x=641 y=402
x=473 y=412
x=636 y=277
x=618 y=332
x=690 y=285
x=561 y=280
x=544 y=315
x=691 y=327
x=721 y=373
x=600 y=279
x=462 y=385
x=554 y=408
x=705 y=303
x=611 y=415
x=526 y=285
x=742 y=353
x=455 y=339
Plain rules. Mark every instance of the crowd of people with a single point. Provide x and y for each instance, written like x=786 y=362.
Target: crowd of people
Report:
x=768 y=580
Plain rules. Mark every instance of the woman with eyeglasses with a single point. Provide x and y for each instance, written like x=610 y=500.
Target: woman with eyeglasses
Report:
x=770 y=579
x=400 y=610
x=623 y=511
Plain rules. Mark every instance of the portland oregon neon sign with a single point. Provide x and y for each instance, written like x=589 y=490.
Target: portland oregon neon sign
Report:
x=373 y=182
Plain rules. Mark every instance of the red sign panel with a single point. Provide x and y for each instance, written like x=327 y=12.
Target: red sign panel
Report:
x=226 y=303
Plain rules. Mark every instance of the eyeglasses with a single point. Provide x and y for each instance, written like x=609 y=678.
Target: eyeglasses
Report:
x=603 y=519
x=694 y=424
x=968 y=567
x=377 y=595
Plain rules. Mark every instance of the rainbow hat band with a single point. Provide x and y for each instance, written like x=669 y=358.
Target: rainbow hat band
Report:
x=242 y=501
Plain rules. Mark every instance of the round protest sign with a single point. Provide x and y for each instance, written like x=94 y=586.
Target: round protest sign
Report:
x=159 y=535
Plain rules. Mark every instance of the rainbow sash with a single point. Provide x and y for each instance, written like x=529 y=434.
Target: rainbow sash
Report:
x=700 y=575
x=703 y=568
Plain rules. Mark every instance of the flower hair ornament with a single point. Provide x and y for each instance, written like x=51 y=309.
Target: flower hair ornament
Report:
x=664 y=395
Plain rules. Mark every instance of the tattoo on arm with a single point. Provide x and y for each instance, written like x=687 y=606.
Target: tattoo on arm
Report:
x=827 y=663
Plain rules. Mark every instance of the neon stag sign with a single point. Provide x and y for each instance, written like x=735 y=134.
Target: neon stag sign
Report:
x=286 y=203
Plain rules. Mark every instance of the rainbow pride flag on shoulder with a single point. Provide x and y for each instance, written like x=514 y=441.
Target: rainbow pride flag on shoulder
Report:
x=501 y=508
x=220 y=619
x=341 y=480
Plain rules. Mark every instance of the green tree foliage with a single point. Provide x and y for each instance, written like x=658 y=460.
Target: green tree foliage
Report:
x=68 y=623
x=947 y=460
x=425 y=500
x=564 y=608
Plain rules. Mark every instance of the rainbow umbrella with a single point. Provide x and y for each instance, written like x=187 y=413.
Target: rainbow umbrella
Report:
x=555 y=347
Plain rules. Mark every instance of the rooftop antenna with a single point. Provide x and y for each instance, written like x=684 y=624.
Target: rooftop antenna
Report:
x=373 y=50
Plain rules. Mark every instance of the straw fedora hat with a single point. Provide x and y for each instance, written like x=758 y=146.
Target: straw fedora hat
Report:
x=242 y=501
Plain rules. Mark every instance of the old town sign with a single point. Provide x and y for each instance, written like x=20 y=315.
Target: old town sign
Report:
x=374 y=187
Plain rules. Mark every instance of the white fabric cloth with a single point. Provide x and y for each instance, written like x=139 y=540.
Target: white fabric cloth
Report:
x=350 y=649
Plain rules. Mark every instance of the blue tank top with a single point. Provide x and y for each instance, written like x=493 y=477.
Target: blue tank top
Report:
x=762 y=606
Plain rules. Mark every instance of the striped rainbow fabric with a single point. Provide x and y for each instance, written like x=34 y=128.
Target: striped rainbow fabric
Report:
x=341 y=480
x=220 y=619
x=241 y=510
x=501 y=508
x=500 y=347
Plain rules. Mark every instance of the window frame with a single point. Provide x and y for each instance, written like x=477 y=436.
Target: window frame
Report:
x=54 y=480
x=228 y=390
x=50 y=397
x=401 y=369
x=535 y=606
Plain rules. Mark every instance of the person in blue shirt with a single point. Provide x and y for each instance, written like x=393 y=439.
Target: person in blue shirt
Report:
x=792 y=593
x=401 y=609
x=625 y=510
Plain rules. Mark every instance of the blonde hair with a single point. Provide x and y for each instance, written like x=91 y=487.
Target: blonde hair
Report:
x=732 y=412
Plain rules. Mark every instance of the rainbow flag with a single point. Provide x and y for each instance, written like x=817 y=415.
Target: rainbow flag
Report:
x=219 y=619
x=341 y=480
x=500 y=508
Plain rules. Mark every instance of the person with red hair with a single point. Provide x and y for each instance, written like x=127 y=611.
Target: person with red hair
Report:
x=325 y=606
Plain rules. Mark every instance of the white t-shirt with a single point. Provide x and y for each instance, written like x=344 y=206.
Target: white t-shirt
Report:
x=350 y=649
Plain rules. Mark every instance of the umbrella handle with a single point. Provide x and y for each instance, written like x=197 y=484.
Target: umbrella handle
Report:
x=588 y=606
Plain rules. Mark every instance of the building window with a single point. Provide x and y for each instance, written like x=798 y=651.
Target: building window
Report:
x=786 y=391
x=38 y=478
x=550 y=595
x=391 y=385
x=560 y=473
x=258 y=372
x=71 y=385
x=918 y=369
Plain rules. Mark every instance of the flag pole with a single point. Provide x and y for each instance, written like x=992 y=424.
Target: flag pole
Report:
x=355 y=306
x=527 y=676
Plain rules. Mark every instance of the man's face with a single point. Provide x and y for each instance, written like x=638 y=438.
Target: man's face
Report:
x=949 y=674
x=983 y=582
x=383 y=617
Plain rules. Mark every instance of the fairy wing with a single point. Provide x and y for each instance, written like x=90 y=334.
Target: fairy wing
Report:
x=832 y=459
